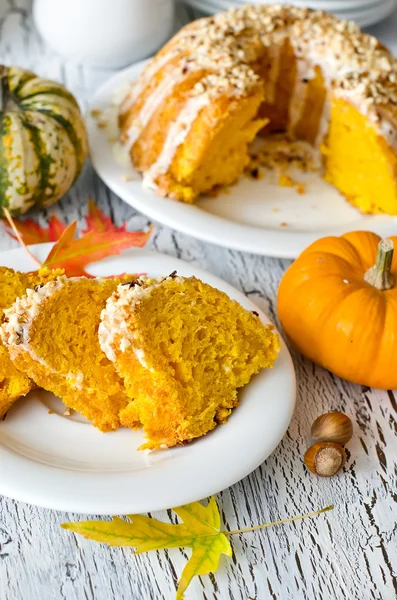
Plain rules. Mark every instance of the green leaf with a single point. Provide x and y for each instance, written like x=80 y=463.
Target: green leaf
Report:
x=200 y=530
x=143 y=533
x=203 y=519
x=205 y=559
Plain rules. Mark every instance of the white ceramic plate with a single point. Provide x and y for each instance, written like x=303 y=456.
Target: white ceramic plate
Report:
x=364 y=12
x=64 y=463
x=254 y=216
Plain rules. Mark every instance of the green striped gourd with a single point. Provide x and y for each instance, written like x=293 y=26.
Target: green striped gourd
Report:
x=43 y=141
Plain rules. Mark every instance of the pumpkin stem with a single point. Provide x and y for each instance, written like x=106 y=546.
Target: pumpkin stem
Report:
x=379 y=276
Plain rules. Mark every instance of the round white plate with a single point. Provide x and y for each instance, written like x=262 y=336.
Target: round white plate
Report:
x=253 y=216
x=64 y=463
x=327 y=5
x=364 y=12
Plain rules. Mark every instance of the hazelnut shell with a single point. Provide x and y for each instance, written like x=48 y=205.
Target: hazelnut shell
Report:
x=325 y=458
x=332 y=427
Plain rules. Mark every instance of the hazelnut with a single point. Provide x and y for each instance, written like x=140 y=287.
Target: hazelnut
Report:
x=332 y=427
x=325 y=458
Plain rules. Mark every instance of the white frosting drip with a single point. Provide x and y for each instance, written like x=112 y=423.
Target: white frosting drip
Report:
x=114 y=318
x=153 y=101
x=137 y=87
x=324 y=56
x=15 y=331
x=365 y=107
x=175 y=137
x=334 y=68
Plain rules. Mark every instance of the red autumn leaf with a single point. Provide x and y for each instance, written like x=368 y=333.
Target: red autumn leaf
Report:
x=32 y=233
x=57 y=251
x=101 y=239
x=55 y=228
x=74 y=255
x=97 y=221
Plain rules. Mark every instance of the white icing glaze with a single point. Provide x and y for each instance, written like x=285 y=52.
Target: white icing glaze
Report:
x=334 y=69
x=15 y=331
x=381 y=125
x=175 y=137
x=137 y=87
x=116 y=313
x=153 y=101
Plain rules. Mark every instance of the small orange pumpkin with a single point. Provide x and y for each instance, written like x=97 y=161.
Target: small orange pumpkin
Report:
x=338 y=305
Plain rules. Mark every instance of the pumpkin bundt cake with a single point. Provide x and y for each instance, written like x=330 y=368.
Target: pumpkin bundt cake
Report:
x=52 y=335
x=189 y=118
x=14 y=383
x=183 y=349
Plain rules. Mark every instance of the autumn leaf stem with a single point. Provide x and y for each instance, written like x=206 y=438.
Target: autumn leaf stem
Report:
x=19 y=237
x=255 y=527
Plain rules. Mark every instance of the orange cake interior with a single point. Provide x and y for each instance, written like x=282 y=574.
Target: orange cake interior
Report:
x=183 y=350
x=52 y=335
x=14 y=383
x=188 y=120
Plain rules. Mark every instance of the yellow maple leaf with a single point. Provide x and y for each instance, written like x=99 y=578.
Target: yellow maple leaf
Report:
x=208 y=542
x=200 y=530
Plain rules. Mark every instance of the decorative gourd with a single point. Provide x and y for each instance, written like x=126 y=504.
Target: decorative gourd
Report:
x=43 y=141
x=338 y=305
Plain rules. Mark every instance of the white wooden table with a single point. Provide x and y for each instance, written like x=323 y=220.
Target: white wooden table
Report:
x=349 y=553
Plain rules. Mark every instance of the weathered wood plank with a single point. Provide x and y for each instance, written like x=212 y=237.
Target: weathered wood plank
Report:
x=349 y=553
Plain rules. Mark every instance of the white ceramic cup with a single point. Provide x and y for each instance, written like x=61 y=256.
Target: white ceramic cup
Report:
x=104 y=33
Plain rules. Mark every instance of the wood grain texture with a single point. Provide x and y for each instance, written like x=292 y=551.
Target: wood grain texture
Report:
x=350 y=553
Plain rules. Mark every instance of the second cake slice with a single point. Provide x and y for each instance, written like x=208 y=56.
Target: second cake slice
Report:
x=183 y=349
x=52 y=336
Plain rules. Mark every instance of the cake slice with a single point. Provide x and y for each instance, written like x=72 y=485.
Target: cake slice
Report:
x=52 y=335
x=183 y=349
x=14 y=383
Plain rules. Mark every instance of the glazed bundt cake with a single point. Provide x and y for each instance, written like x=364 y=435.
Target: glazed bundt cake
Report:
x=14 y=383
x=189 y=118
x=52 y=335
x=183 y=349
